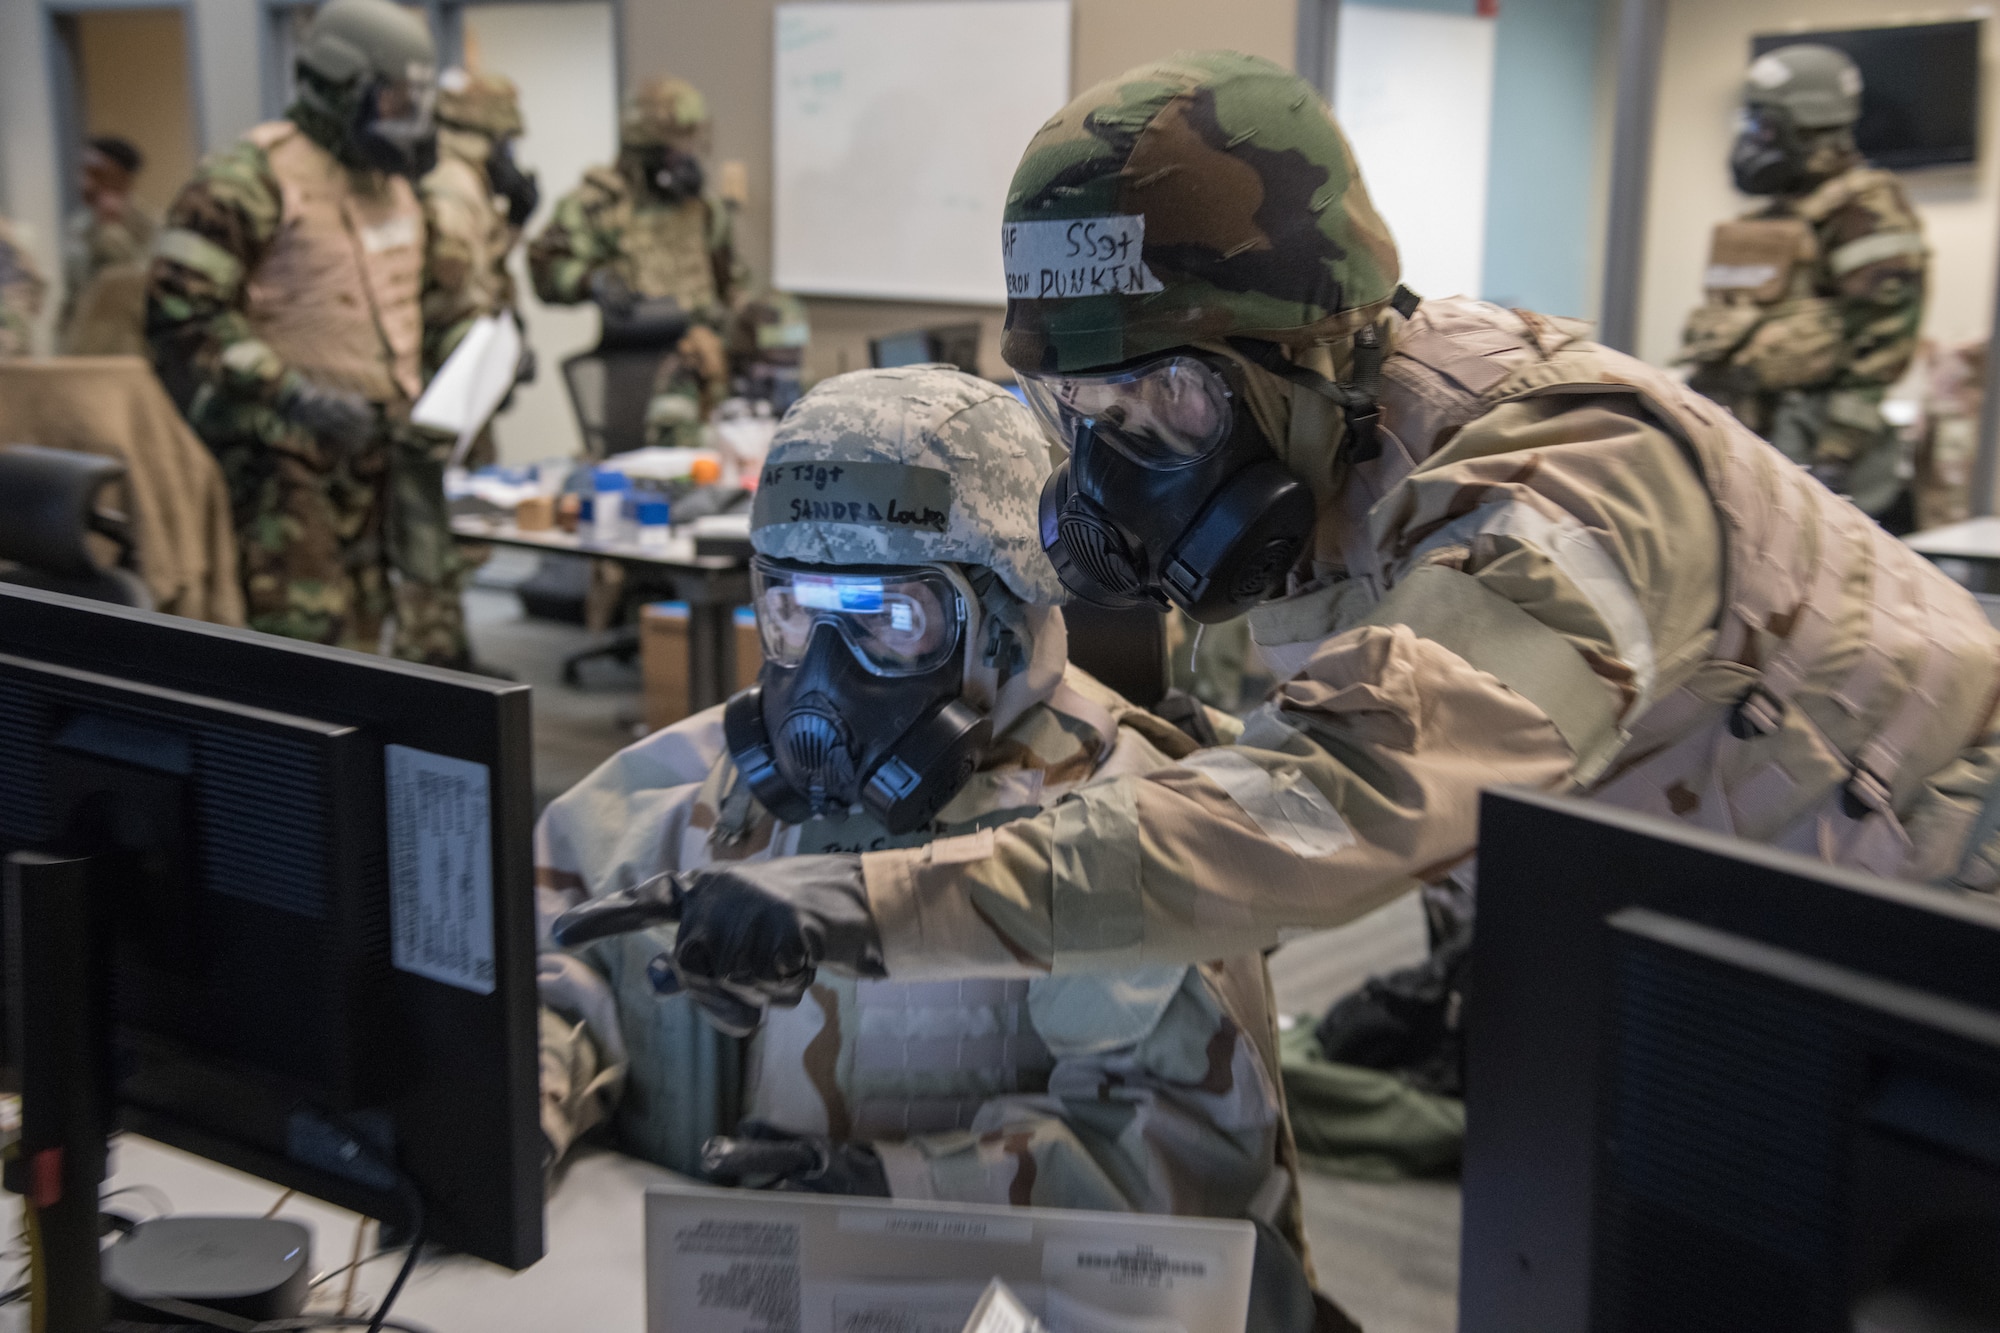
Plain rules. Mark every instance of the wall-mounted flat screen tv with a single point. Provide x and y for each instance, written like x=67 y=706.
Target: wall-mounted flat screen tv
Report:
x=1920 y=89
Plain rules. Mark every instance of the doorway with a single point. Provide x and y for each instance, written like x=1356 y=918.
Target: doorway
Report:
x=562 y=55
x=126 y=74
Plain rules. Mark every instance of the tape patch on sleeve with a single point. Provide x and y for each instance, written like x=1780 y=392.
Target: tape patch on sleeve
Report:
x=1290 y=810
x=1076 y=257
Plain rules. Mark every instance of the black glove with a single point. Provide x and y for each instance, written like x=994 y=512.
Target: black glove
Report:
x=764 y=1157
x=339 y=420
x=613 y=295
x=751 y=934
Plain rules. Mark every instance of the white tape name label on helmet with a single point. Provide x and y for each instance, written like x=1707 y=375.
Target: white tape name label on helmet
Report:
x=1076 y=257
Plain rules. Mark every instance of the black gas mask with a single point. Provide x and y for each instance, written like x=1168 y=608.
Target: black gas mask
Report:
x=393 y=129
x=671 y=173
x=1171 y=491
x=506 y=179
x=1770 y=154
x=859 y=700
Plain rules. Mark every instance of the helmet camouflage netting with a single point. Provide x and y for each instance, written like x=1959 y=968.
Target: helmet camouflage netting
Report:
x=912 y=466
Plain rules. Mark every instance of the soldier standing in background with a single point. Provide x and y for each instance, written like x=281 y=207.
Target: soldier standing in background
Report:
x=1814 y=298
x=284 y=318
x=646 y=229
x=476 y=201
x=21 y=290
x=111 y=231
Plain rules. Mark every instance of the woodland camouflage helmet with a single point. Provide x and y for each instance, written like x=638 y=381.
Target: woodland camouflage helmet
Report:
x=1256 y=223
x=1818 y=87
x=662 y=112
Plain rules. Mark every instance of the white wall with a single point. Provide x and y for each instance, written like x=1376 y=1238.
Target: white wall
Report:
x=563 y=59
x=28 y=189
x=1707 y=48
x=1414 y=93
x=228 y=51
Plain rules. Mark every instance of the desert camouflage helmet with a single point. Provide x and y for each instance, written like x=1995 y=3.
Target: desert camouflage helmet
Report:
x=488 y=104
x=354 y=43
x=662 y=110
x=1256 y=223
x=918 y=465
x=1817 y=86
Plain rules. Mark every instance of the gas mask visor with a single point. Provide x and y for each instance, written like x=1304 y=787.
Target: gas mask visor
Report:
x=1161 y=414
x=1768 y=156
x=398 y=130
x=859 y=700
x=896 y=621
x=1169 y=493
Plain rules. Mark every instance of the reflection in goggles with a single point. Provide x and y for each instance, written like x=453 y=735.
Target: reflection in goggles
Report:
x=404 y=109
x=905 y=623
x=1160 y=414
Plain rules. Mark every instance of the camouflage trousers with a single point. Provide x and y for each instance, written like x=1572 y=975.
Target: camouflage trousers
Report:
x=429 y=572
x=336 y=554
x=1840 y=435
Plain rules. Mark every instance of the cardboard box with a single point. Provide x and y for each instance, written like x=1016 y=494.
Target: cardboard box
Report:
x=663 y=659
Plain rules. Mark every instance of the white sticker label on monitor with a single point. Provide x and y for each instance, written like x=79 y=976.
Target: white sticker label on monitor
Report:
x=441 y=868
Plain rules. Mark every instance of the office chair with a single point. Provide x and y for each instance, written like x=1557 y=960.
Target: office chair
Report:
x=48 y=509
x=611 y=385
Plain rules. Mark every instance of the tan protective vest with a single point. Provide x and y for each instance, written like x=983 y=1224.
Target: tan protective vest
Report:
x=668 y=248
x=337 y=294
x=1848 y=674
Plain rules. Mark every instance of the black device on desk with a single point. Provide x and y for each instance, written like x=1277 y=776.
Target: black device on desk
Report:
x=270 y=903
x=949 y=344
x=1715 y=1086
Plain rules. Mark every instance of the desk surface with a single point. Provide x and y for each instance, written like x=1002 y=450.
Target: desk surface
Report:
x=678 y=553
x=593 y=1277
x=1974 y=539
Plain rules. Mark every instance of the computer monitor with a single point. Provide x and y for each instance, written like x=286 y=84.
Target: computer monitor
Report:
x=309 y=876
x=948 y=344
x=1715 y=1086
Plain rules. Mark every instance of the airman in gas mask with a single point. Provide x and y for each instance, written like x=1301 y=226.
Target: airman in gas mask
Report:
x=284 y=315
x=1816 y=295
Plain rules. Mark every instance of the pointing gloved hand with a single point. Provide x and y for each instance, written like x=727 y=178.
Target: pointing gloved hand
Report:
x=751 y=934
x=340 y=420
x=762 y=1156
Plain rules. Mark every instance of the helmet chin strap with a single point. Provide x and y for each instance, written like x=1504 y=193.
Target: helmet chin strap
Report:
x=1355 y=396
x=1016 y=651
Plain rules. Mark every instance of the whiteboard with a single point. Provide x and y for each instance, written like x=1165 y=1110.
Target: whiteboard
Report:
x=898 y=127
x=1414 y=91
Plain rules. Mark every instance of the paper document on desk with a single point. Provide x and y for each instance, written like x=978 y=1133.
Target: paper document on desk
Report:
x=741 y=1261
x=473 y=381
